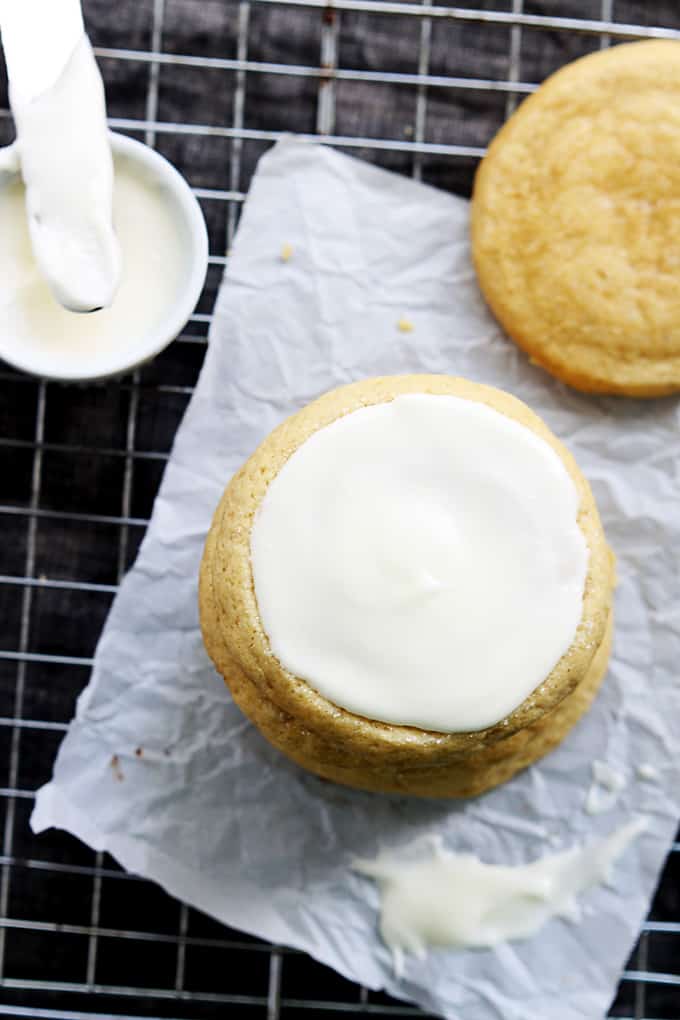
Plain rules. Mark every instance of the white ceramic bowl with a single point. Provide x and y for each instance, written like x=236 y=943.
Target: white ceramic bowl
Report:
x=137 y=350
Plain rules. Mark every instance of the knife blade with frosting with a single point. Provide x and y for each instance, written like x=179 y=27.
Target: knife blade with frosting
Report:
x=62 y=149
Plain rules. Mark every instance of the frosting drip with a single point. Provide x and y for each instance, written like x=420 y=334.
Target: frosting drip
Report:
x=432 y=897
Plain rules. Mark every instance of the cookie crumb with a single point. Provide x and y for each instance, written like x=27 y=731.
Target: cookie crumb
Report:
x=286 y=252
x=139 y=752
x=405 y=325
x=116 y=769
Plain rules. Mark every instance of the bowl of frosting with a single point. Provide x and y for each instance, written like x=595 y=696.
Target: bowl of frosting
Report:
x=164 y=256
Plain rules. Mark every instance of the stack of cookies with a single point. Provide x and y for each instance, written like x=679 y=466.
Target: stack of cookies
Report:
x=306 y=586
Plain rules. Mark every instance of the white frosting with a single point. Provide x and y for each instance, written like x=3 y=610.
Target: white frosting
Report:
x=420 y=562
x=647 y=772
x=35 y=59
x=65 y=157
x=605 y=788
x=40 y=335
x=432 y=897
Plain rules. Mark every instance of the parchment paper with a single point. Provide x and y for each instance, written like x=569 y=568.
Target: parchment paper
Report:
x=222 y=820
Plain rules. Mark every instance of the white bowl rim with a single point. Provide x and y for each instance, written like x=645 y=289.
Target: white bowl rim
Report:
x=186 y=298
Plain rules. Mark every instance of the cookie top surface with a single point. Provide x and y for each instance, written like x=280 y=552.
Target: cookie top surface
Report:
x=574 y=222
x=238 y=642
x=420 y=562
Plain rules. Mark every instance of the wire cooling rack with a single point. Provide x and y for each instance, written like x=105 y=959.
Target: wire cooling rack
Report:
x=418 y=87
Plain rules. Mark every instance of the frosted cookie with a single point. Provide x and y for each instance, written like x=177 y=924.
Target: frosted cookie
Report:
x=407 y=587
x=574 y=220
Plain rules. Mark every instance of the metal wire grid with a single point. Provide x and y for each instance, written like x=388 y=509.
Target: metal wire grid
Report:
x=317 y=991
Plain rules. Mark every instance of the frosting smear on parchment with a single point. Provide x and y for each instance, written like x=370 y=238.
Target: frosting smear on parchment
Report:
x=432 y=897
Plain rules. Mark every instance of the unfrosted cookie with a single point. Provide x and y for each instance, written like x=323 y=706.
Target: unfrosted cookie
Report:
x=575 y=217
x=351 y=748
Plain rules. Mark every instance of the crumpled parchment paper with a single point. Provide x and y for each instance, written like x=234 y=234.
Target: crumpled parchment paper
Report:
x=222 y=820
